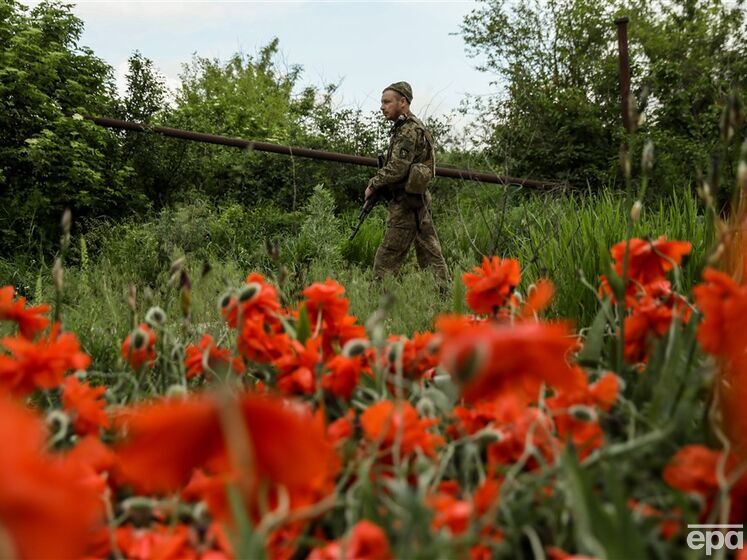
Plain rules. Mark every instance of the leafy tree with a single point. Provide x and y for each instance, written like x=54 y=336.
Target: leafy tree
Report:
x=155 y=159
x=50 y=160
x=559 y=113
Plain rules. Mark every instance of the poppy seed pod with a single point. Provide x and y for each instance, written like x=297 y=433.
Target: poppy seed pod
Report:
x=355 y=347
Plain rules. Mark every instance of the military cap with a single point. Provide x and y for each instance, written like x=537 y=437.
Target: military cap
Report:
x=403 y=88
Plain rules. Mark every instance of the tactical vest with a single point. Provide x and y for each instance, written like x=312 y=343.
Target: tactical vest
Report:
x=421 y=173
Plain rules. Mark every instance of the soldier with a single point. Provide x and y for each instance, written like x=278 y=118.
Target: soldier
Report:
x=409 y=168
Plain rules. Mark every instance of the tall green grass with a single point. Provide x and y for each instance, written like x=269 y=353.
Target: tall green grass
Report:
x=560 y=236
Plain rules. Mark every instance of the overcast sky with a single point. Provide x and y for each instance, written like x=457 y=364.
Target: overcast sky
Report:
x=362 y=45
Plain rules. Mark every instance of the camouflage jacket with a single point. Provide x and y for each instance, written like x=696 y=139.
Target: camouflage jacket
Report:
x=410 y=143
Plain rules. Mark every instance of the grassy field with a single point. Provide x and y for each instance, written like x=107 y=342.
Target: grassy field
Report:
x=560 y=236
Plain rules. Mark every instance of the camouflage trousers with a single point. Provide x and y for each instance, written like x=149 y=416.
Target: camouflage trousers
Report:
x=407 y=226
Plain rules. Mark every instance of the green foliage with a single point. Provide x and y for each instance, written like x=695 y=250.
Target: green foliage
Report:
x=555 y=236
x=559 y=115
x=48 y=160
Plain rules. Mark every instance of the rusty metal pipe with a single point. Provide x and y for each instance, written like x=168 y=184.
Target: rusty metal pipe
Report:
x=624 y=62
x=448 y=172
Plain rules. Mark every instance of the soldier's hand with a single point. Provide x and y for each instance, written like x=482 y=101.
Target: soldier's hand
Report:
x=369 y=193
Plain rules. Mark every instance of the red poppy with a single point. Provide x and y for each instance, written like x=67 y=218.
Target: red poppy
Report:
x=139 y=348
x=648 y=320
x=91 y=451
x=207 y=354
x=167 y=440
x=490 y=285
x=48 y=506
x=575 y=412
x=649 y=261
x=490 y=360
x=282 y=543
x=367 y=541
x=339 y=431
x=496 y=411
x=211 y=489
x=30 y=320
x=257 y=299
x=415 y=355
x=486 y=496
x=41 y=364
x=723 y=303
x=262 y=340
x=160 y=541
x=387 y=424
x=343 y=376
x=693 y=470
x=450 y=513
x=325 y=302
x=297 y=367
x=669 y=524
x=555 y=553
x=531 y=430
x=723 y=333
x=85 y=404
x=539 y=297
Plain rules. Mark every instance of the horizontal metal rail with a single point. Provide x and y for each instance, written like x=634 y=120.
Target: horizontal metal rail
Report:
x=449 y=172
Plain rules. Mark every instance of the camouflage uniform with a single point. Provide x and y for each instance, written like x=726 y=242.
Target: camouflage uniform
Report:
x=410 y=220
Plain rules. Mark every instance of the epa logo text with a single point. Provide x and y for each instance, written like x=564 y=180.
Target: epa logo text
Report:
x=715 y=537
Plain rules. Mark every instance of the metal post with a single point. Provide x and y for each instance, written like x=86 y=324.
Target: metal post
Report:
x=622 y=49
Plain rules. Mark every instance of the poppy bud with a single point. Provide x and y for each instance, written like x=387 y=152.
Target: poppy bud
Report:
x=489 y=435
x=647 y=160
x=249 y=292
x=67 y=218
x=58 y=421
x=224 y=301
x=177 y=265
x=355 y=347
x=57 y=274
x=65 y=223
x=131 y=297
x=426 y=408
x=176 y=391
x=635 y=211
x=155 y=317
x=583 y=413
x=742 y=170
x=715 y=257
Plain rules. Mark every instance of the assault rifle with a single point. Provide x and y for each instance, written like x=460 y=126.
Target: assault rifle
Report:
x=370 y=203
